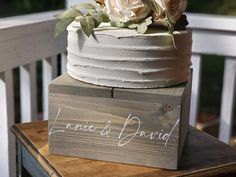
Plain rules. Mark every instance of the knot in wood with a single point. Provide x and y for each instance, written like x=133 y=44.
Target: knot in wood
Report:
x=168 y=107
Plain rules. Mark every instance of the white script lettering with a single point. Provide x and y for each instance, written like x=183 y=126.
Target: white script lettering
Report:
x=51 y=132
x=129 y=137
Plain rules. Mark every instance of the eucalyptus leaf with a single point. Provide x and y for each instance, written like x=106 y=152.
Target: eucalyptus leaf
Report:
x=78 y=18
x=148 y=21
x=87 y=14
x=87 y=24
x=105 y=18
x=97 y=21
x=83 y=6
x=120 y=24
x=142 y=28
x=134 y=25
x=70 y=13
x=62 y=25
x=101 y=17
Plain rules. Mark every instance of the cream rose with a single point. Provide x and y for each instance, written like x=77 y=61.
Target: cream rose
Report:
x=174 y=8
x=126 y=10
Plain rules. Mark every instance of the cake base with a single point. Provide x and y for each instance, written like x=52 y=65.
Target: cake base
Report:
x=158 y=83
x=135 y=126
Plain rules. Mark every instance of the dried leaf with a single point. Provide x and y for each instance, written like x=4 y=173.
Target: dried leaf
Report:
x=87 y=24
x=70 y=13
x=142 y=28
x=133 y=26
x=62 y=25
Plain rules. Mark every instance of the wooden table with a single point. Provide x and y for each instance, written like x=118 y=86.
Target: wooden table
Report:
x=203 y=156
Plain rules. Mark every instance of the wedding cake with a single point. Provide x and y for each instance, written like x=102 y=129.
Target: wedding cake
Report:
x=142 y=55
x=125 y=58
x=124 y=45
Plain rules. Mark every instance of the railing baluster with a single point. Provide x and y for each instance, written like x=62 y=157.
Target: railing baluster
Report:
x=28 y=91
x=7 y=119
x=49 y=73
x=196 y=79
x=228 y=100
x=63 y=62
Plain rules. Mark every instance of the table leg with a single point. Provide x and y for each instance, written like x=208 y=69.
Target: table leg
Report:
x=19 y=159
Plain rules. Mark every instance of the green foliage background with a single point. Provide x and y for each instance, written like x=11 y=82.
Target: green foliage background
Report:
x=221 y=7
x=19 y=7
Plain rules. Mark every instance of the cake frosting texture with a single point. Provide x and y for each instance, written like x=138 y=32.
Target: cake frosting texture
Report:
x=120 y=57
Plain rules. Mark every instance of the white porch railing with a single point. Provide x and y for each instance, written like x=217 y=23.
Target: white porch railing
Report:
x=23 y=41
x=27 y=39
x=215 y=35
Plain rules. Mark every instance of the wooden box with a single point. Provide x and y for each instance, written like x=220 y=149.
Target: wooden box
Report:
x=135 y=126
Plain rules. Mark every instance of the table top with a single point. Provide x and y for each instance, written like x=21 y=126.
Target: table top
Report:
x=203 y=156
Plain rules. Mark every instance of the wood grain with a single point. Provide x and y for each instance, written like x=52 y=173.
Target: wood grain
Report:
x=93 y=145
x=67 y=85
x=203 y=156
x=162 y=95
x=185 y=114
x=143 y=124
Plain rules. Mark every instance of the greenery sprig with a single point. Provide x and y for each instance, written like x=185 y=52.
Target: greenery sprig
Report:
x=142 y=26
x=90 y=17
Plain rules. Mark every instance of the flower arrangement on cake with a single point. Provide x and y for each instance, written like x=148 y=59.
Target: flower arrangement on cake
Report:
x=133 y=14
x=128 y=43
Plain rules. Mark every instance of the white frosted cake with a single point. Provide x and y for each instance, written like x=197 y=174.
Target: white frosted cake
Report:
x=128 y=43
x=120 y=57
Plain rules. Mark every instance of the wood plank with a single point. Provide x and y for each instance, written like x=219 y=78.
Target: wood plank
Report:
x=26 y=39
x=32 y=166
x=203 y=156
x=146 y=115
x=173 y=93
x=25 y=20
x=107 y=141
x=212 y=22
x=49 y=73
x=63 y=63
x=196 y=66
x=70 y=3
x=28 y=92
x=66 y=84
x=228 y=100
x=185 y=113
x=214 y=43
x=7 y=119
x=19 y=159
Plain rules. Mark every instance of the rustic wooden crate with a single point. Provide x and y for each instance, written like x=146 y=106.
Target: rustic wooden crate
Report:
x=135 y=126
